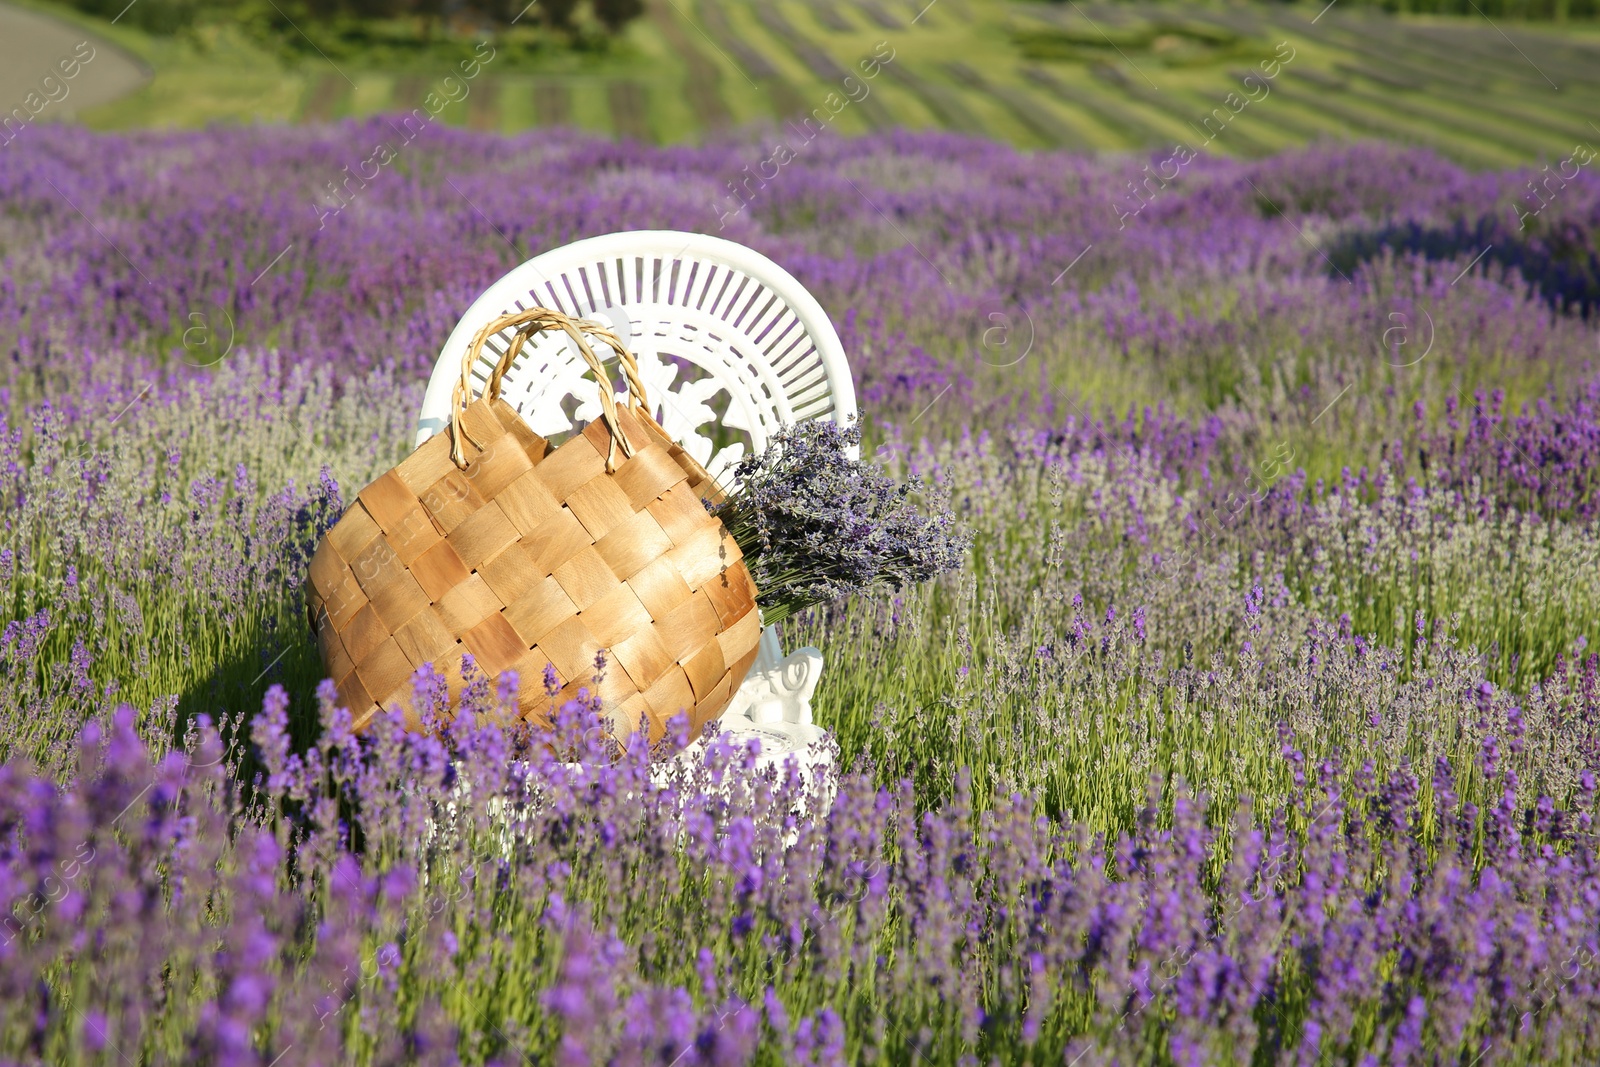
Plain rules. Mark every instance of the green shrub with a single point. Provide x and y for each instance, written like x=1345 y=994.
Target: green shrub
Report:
x=156 y=16
x=291 y=20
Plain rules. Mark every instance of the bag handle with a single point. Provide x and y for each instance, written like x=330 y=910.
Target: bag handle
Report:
x=537 y=320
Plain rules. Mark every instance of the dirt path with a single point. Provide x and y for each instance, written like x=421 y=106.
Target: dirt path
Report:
x=36 y=53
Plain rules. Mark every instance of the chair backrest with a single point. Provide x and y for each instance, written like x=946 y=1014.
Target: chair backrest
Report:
x=730 y=346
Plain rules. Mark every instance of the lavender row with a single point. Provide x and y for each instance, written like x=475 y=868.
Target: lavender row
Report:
x=305 y=245
x=1356 y=919
x=162 y=563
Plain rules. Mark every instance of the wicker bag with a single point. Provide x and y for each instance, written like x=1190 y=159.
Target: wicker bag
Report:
x=486 y=540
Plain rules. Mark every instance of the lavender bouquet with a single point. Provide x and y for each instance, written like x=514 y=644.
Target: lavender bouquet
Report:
x=815 y=525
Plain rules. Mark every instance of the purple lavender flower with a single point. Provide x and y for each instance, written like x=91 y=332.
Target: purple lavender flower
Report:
x=815 y=525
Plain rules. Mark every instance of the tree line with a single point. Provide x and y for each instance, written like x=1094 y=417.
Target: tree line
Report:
x=172 y=16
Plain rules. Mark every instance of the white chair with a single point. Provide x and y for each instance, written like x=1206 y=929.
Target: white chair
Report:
x=730 y=348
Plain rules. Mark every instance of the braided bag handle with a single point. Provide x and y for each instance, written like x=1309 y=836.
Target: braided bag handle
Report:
x=538 y=320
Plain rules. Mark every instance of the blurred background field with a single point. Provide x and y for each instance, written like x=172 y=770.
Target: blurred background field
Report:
x=1491 y=84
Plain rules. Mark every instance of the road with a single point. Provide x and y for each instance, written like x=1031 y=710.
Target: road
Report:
x=32 y=47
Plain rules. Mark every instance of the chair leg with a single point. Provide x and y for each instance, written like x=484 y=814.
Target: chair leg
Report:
x=778 y=688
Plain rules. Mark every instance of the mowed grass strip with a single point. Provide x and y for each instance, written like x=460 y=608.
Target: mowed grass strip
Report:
x=1027 y=107
x=591 y=106
x=1479 y=52
x=1247 y=133
x=1307 y=127
x=1534 y=57
x=1293 y=126
x=1400 y=102
x=515 y=103
x=1530 y=141
x=630 y=111
x=1470 y=66
x=879 y=15
x=410 y=90
x=1112 y=16
x=758 y=68
x=1186 y=114
x=482 y=104
x=1469 y=127
x=756 y=65
x=1452 y=86
x=1122 y=127
x=552 y=102
x=702 y=82
x=1378 y=123
x=371 y=94
x=323 y=98
x=1486 y=128
x=943 y=102
x=822 y=66
x=830 y=17
x=1448 y=83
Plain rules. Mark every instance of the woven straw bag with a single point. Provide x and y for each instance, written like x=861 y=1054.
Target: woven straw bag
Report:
x=487 y=541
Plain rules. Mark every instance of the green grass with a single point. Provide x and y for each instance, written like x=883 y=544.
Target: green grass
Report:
x=1093 y=77
x=960 y=663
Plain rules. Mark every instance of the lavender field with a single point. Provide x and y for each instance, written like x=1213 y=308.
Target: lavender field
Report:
x=1259 y=726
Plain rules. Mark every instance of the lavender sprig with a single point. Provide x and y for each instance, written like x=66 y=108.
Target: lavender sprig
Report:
x=815 y=525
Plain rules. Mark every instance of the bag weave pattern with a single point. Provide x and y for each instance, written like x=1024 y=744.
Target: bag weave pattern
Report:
x=488 y=541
